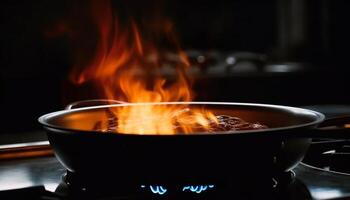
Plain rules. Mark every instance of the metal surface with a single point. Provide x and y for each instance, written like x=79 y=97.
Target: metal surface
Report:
x=324 y=184
x=21 y=173
x=24 y=150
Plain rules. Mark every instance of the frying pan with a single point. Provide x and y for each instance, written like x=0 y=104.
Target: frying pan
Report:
x=237 y=155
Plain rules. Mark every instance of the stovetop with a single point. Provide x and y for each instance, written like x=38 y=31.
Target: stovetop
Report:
x=310 y=182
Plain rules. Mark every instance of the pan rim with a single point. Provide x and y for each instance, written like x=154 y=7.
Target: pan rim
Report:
x=319 y=117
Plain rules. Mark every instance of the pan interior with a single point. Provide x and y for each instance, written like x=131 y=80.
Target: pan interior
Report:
x=273 y=116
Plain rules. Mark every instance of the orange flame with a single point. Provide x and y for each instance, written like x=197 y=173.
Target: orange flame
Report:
x=127 y=67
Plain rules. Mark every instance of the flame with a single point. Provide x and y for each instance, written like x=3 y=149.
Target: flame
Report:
x=127 y=66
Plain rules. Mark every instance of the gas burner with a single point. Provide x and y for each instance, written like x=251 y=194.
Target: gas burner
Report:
x=283 y=187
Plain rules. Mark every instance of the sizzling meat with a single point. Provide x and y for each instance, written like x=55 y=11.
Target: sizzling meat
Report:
x=229 y=123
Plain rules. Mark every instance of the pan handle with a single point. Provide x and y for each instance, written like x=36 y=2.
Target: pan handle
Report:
x=333 y=128
x=92 y=102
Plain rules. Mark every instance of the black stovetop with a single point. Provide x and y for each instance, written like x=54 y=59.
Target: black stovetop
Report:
x=309 y=182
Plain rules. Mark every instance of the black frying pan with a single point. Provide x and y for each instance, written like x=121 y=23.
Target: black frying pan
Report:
x=189 y=158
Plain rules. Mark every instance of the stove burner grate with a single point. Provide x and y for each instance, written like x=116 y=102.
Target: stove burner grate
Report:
x=73 y=186
x=333 y=155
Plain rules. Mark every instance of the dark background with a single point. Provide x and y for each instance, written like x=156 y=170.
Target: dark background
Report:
x=35 y=62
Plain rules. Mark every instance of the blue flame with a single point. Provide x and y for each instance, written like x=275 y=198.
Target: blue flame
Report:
x=158 y=189
x=197 y=188
x=161 y=190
